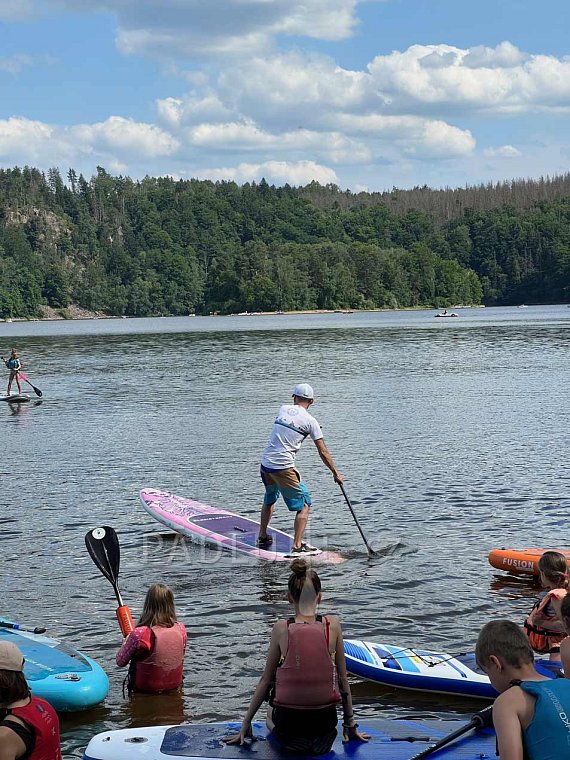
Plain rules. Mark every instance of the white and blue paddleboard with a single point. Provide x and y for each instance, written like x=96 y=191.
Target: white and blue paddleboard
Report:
x=15 y=398
x=222 y=529
x=66 y=678
x=424 y=670
x=390 y=740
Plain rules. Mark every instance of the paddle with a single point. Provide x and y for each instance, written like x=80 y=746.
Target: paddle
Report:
x=482 y=719
x=36 y=390
x=103 y=547
x=18 y=627
x=371 y=552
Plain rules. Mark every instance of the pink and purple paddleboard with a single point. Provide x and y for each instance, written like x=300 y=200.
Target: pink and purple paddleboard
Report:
x=223 y=529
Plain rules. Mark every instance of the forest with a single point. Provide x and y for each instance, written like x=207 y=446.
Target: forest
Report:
x=161 y=246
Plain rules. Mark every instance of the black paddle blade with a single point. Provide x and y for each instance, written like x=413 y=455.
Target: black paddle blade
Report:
x=103 y=547
x=37 y=391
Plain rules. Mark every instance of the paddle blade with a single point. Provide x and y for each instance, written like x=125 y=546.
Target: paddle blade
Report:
x=35 y=390
x=103 y=547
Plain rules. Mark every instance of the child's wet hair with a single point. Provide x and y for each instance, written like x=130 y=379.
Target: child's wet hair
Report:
x=159 y=607
x=300 y=574
x=504 y=639
x=554 y=567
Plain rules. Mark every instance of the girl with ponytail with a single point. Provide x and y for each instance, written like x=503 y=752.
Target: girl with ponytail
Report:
x=544 y=626
x=305 y=675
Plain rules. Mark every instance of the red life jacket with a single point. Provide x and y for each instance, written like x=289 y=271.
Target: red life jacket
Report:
x=40 y=716
x=163 y=668
x=545 y=640
x=307 y=677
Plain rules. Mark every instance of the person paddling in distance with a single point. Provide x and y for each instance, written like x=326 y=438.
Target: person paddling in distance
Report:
x=14 y=365
x=532 y=713
x=292 y=425
x=544 y=626
x=155 y=649
x=305 y=675
x=29 y=726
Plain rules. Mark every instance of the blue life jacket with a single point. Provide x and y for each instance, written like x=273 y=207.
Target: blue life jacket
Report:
x=14 y=364
x=548 y=735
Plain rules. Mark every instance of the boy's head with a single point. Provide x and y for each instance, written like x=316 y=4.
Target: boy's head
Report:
x=502 y=647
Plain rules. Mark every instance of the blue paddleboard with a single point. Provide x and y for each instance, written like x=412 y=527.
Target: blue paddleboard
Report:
x=391 y=740
x=66 y=678
x=424 y=670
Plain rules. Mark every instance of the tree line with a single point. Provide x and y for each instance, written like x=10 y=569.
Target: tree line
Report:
x=162 y=246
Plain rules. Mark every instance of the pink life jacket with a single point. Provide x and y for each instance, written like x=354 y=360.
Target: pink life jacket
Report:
x=40 y=716
x=307 y=677
x=163 y=668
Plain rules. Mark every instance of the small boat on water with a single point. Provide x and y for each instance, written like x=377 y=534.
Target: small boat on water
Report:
x=446 y=313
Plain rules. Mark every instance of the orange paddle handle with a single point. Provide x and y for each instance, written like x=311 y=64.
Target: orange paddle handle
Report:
x=125 y=619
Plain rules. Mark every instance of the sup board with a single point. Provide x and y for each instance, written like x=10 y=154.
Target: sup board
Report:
x=66 y=678
x=423 y=670
x=524 y=561
x=390 y=740
x=223 y=529
x=15 y=398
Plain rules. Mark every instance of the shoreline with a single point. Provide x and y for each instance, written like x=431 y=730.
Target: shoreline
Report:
x=76 y=313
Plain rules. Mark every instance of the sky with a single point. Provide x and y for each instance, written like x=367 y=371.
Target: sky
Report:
x=367 y=95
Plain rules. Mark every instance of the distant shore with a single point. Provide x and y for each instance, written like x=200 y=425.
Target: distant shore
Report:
x=74 y=312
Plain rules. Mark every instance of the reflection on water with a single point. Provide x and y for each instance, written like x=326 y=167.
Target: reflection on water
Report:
x=452 y=439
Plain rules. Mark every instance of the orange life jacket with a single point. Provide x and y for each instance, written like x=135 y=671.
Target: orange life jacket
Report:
x=40 y=716
x=307 y=677
x=545 y=640
x=163 y=668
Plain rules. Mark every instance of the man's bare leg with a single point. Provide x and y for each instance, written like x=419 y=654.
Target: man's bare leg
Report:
x=301 y=519
x=266 y=515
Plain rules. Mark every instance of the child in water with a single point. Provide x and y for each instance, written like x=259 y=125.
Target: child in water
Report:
x=544 y=626
x=530 y=714
x=14 y=365
x=156 y=647
x=305 y=675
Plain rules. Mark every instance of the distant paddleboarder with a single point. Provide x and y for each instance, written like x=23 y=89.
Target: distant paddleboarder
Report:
x=278 y=473
x=14 y=365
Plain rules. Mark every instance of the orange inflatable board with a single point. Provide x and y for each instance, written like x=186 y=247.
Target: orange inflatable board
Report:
x=524 y=561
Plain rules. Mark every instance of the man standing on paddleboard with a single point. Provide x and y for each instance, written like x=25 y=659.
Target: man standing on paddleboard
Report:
x=278 y=473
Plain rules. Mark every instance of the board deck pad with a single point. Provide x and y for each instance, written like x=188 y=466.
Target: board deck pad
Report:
x=219 y=527
x=423 y=670
x=390 y=740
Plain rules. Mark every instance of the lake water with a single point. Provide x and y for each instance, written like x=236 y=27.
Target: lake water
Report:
x=452 y=435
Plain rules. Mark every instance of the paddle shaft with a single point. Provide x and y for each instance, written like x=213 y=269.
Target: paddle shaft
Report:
x=371 y=551
x=479 y=720
x=18 y=627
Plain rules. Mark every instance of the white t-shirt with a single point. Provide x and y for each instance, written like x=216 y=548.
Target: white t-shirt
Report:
x=292 y=425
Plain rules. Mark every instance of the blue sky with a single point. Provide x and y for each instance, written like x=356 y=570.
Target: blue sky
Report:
x=367 y=95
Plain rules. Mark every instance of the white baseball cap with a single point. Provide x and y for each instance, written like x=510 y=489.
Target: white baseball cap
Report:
x=304 y=390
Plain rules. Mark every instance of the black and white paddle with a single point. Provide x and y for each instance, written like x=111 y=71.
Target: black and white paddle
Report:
x=103 y=547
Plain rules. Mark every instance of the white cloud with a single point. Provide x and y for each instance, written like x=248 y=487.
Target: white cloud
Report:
x=334 y=146
x=15 y=63
x=275 y=172
x=492 y=79
x=504 y=151
x=196 y=28
x=126 y=136
x=176 y=112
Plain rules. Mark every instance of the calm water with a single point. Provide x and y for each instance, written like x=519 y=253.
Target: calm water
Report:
x=452 y=436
